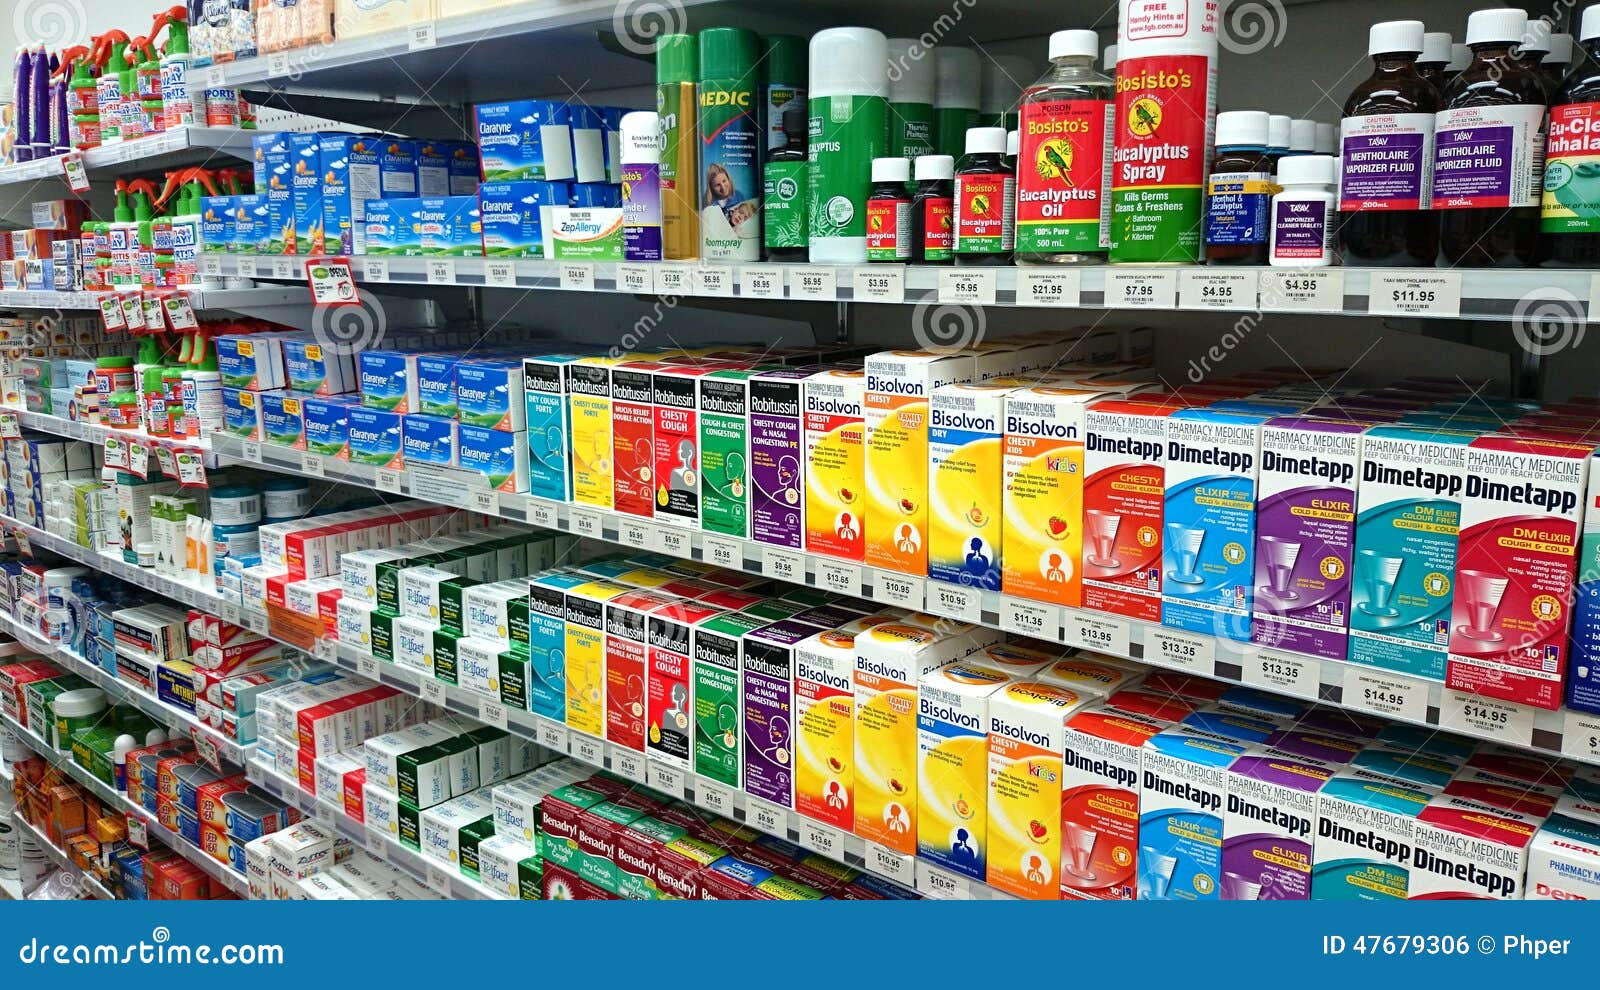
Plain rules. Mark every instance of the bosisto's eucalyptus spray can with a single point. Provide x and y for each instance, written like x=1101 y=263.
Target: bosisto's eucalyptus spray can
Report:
x=849 y=127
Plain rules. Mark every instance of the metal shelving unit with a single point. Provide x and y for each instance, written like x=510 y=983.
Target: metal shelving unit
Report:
x=52 y=852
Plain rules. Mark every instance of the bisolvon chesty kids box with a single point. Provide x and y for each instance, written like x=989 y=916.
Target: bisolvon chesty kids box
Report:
x=890 y=659
x=1363 y=844
x=1463 y=848
x=725 y=452
x=1026 y=744
x=1408 y=514
x=965 y=482
x=1183 y=786
x=1042 y=476
x=1100 y=802
x=1123 y=500
x=1521 y=508
x=1268 y=825
x=953 y=766
x=718 y=645
x=895 y=405
x=777 y=496
x=1305 y=528
x=583 y=609
x=834 y=433
x=1210 y=519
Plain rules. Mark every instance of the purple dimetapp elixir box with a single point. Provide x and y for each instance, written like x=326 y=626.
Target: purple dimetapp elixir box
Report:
x=1267 y=825
x=777 y=498
x=1305 y=531
x=767 y=687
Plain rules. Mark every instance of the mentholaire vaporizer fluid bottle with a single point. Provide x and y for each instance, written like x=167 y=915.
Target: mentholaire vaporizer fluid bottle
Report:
x=1065 y=129
x=1435 y=56
x=1569 y=213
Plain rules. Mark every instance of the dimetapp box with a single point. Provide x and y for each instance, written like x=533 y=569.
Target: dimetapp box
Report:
x=1183 y=787
x=1362 y=849
x=1468 y=849
x=1043 y=472
x=834 y=462
x=1123 y=500
x=965 y=482
x=1268 y=825
x=953 y=766
x=1100 y=802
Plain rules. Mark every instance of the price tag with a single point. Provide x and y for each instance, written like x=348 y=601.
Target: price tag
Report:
x=367 y=666
x=1389 y=695
x=499 y=274
x=841 y=579
x=1096 y=631
x=312 y=465
x=441 y=271
x=820 y=838
x=138 y=832
x=967 y=286
x=208 y=749
x=375 y=269
x=166 y=462
x=494 y=713
x=210 y=264
x=1047 y=288
x=246 y=266
x=636 y=279
x=421 y=36
x=714 y=797
x=636 y=534
x=955 y=601
x=1216 y=289
x=588 y=749
x=814 y=284
x=724 y=552
x=24 y=546
x=133 y=310
x=675 y=541
x=377 y=843
x=1580 y=736
x=1412 y=293
x=553 y=735
x=111 y=313
x=761 y=281
x=138 y=459
x=1030 y=618
x=542 y=514
x=485 y=500
x=577 y=276
x=881 y=284
x=283 y=268
x=587 y=522
x=1302 y=291
x=942 y=884
x=10 y=426
x=892 y=588
x=433 y=690
x=180 y=312
x=785 y=565
x=76 y=175
x=672 y=280
x=325 y=649
x=249 y=450
x=768 y=817
x=1182 y=650
x=1502 y=721
x=1141 y=288
x=229 y=613
x=628 y=763
x=1297 y=676
x=277 y=65
x=896 y=866
x=389 y=481
x=666 y=778
x=713 y=280
x=333 y=281
x=152 y=312
x=438 y=880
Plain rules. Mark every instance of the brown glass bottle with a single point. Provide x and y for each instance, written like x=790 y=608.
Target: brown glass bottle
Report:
x=1476 y=229
x=1570 y=211
x=1389 y=119
x=1239 y=190
x=1434 y=59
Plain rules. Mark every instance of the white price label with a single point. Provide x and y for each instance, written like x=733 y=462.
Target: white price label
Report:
x=1302 y=291
x=724 y=552
x=247 y=266
x=887 y=863
x=785 y=565
x=714 y=797
x=628 y=763
x=1030 y=618
x=1502 y=721
x=761 y=281
x=367 y=666
x=389 y=481
x=312 y=464
x=1217 y=289
x=891 y=588
x=375 y=269
x=577 y=276
x=77 y=176
x=713 y=280
x=1389 y=695
x=542 y=514
x=250 y=449
x=768 y=817
x=1283 y=674
x=636 y=279
x=881 y=284
x=1046 y=288
x=211 y=265
x=1435 y=293
x=494 y=713
x=674 y=541
x=637 y=534
x=672 y=280
x=500 y=274
x=955 y=601
x=277 y=65
x=1183 y=650
x=588 y=749
x=1594 y=298
x=325 y=649
x=967 y=286
x=1141 y=288
x=438 y=880
x=485 y=500
x=814 y=284
x=284 y=269
x=820 y=838
x=942 y=885
x=666 y=778
x=587 y=522
x=841 y=579
x=377 y=843
x=1096 y=631
x=441 y=271
x=421 y=36
x=554 y=735
x=1580 y=736
x=433 y=690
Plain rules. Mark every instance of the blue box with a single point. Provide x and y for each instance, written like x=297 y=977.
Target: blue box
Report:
x=241 y=413
x=500 y=457
x=375 y=437
x=249 y=224
x=354 y=168
x=389 y=227
x=430 y=440
x=595 y=194
x=389 y=381
x=283 y=419
x=465 y=170
x=436 y=384
x=328 y=425
x=312 y=368
x=305 y=189
x=524 y=139
x=253 y=361
x=546 y=415
x=509 y=213
x=449 y=226
x=217 y=222
x=489 y=394
x=274 y=184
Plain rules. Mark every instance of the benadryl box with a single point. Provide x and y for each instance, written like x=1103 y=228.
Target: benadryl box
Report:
x=525 y=139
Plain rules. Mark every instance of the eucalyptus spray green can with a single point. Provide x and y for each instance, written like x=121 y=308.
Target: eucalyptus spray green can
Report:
x=911 y=84
x=849 y=127
x=732 y=145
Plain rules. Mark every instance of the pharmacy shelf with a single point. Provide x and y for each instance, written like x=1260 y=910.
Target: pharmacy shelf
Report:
x=10 y=890
x=436 y=876
x=97 y=433
x=1332 y=682
x=56 y=855
x=201 y=299
x=154 y=152
x=218 y=871
x=711 y=796
x=1483 y=294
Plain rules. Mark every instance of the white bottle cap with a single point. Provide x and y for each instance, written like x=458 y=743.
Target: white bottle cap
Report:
x=956 y=76
x=1560 y=50
x=1536 y=37
x=1013 y=144
x=1303 y=136
x=849 y=61
x=1004 y=77
x=1074 y=44
x=910 y=72
x=930 y=167
x=1327 y=139
x=1436 y=47
x=641 y=138
x=891 y=170
x=1108 y=58
x=1589 y=28
x=986 y=140
x=1389 y=37
x=1502 y=25
x=1306 y=170
x=1278 y=131
x=1460 y=57
x=1242 y=128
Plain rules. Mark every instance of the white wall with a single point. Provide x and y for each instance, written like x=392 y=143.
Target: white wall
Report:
x=59 y=23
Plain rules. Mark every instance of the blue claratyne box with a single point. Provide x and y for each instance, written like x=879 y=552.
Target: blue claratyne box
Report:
x=375 y=437
x=430 y=440
x=525 y=139
x=327 y=422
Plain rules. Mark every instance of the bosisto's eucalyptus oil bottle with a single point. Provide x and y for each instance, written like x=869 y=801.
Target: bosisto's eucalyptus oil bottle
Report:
x=849 y=127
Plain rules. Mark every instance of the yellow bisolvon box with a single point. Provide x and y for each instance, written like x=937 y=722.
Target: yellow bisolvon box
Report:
x=824 y=709
x=584 y=608
x=965 y=482
x=889 y=661
x=953 y=765
x=895 y=407
x=834 y=445
x=1027 y=739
